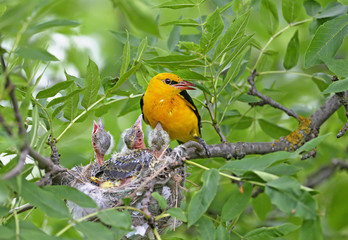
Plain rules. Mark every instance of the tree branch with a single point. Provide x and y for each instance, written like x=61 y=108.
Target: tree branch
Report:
x=265 y=99
x=44 y=163
x=307 y=130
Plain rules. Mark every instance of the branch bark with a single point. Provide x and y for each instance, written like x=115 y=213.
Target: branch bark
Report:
x=265 y=99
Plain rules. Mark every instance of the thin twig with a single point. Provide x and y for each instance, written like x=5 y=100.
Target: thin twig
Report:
x=326 y=172
x=21 y=130
x=214 y=122
x=20 y=165
x=254 y=92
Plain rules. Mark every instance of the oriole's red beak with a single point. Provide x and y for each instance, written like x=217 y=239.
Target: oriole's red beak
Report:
x=184 y=85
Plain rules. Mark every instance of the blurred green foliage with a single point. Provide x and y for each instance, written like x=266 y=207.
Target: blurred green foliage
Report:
x=73 y=61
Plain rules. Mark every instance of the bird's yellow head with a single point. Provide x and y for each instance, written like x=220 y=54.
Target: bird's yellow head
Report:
x=169 y=82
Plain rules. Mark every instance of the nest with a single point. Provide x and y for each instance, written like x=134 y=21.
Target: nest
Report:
x=158 y=177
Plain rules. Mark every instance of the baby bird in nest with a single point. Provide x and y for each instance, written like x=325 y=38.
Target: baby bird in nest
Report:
x=127 y=164
x=102 y=142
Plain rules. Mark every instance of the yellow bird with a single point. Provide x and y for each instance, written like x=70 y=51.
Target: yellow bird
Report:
x=167 y=102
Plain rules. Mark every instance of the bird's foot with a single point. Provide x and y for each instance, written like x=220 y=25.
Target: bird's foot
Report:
x=204 y=144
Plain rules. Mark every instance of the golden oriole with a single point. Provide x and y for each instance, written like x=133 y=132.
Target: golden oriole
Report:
x=167 y=102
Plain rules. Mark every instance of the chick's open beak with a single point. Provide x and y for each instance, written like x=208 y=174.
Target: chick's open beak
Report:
x=185 y=85
x=95 y=127
x=139 y=122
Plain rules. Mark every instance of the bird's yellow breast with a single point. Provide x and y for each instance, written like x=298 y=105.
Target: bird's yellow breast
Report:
x=173 y=112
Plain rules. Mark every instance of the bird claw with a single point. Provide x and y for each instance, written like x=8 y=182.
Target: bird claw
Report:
x=205 y=145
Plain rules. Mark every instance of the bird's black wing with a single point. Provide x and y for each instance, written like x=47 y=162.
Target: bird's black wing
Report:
x=187 y=97
x=141 y=107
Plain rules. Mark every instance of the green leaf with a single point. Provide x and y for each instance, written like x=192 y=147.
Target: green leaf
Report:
x=187 y=22
x=130 y=105
x=338 y=86
x=116 y=218
x=336 y=206
x=141 y=50
x=3 y=211
x=36 y=54
x=94 y=230
x=234 y=69
x=24 y=107
x=202 y=199
x=311 y=230
x=269 y=15
x=272 y=129
x=160 y=199
x=221 y=233
x=287 y=195
x=176 y=61
x=236 y=203
x=312 y=7
x=41 y=142
x=125 y=77
x=177 y=4
x=267 y=233
x=52 y=91
x=139 y=14
x=64 y=98
x=213 y=27
x=72 y=194
x=344 y=2
x=35 y=126
x=292 y=52
x=259 y=176
x=262 y=205
x=189 y=75
x=205 y=228
x=337 y=66
x=71 y=102
x=327 y=40
x=238 y=122
x=178 y=213
x=7 y=233
x=256 y=163
x=125 y=58
x=173 y=38
x=232 y=36
x=283 y=169
x=92 y=84
x=42 y=199
x=332 y=9
x=308 y=146
x=57 y=110
x=237 y=51
x=291 y=9
x=53 y=23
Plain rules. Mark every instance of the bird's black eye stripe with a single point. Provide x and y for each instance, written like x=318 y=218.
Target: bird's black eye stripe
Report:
x=170 y=82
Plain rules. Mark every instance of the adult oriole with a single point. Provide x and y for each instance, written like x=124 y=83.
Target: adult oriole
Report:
x=167 y=102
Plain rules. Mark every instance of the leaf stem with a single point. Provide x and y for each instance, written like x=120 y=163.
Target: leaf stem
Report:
x=277 y=35
x=158 y=237
x=224 y=174
x=66 y=228
x=291 y=72
x=92 y=106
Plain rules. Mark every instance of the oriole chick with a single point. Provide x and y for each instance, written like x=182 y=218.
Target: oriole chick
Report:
x=102 y=142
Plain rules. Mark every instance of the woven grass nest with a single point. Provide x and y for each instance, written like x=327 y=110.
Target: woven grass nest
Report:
x=159 y=177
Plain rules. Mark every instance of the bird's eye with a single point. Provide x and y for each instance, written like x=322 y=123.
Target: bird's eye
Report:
x=167 y=81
